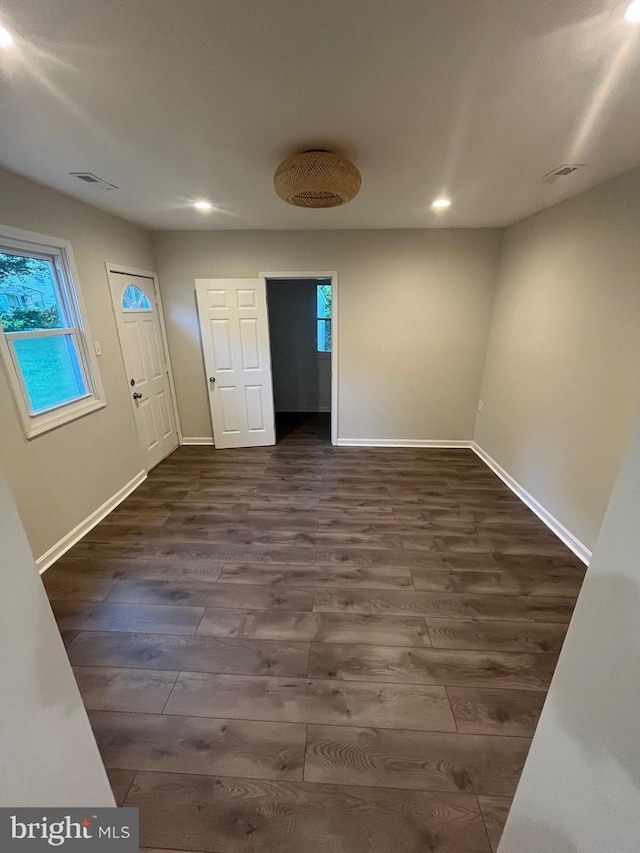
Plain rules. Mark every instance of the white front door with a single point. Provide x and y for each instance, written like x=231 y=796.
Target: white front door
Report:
x=235 y=341
x=145 y=361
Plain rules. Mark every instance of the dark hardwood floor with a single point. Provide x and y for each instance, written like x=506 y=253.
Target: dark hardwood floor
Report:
x=304 y=648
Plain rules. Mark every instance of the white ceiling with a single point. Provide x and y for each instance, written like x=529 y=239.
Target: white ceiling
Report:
x=174 y=100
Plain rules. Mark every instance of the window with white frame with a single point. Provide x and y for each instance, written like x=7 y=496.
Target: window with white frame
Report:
x=44 y=339
x=323 y=317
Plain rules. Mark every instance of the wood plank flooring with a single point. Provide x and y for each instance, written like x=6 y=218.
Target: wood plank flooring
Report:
x=304 y=647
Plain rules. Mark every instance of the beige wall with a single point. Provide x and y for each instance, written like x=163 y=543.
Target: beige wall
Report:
x=561 y=382
x=414 y=313
x=60 y=477
x=48 y=754
x=580 y=789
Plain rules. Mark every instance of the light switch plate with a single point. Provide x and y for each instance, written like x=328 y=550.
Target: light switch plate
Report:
x=480 y=405
x=97 y=347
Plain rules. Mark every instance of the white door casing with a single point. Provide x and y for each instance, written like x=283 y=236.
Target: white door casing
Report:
x=235 y=341
x=146 y=364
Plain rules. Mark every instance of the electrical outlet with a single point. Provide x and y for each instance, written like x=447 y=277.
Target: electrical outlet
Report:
x=480 y=405
x=97 y=347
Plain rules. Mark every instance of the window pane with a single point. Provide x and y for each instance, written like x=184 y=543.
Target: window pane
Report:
x=324 y=335
x=29 y=299
x=133 y=299
x=324 y=301
x=51 y=370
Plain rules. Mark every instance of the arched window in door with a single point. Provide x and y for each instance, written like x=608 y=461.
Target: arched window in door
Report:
x=134 y=299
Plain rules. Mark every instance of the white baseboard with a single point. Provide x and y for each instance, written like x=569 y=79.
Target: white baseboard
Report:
x=399 y=442
x=193 y=441
x=56 y=551
x=581 y=551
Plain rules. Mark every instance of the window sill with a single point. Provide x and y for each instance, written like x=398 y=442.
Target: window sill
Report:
x=44 y=423
x=323 y=355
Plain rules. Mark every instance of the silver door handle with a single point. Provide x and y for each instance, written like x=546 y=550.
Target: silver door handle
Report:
x=212 y=379
x=137 y=395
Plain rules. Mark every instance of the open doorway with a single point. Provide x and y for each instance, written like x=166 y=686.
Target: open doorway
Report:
x=301 y=331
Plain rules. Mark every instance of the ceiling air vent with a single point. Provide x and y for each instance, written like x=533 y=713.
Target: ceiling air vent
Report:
x=90 y=178
x=560 y=172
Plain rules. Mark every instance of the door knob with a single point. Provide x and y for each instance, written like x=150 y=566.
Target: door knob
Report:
x=137 y=395
x=212 y=379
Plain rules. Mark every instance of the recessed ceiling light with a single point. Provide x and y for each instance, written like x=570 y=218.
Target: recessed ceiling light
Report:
x=632 y=15
x=6 y=39
x=441 y=204
x=202 y=205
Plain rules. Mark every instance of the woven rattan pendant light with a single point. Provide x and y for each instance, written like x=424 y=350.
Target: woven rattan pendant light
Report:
x=317 y=179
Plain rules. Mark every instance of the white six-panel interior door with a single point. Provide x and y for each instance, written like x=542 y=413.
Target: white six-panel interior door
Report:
x=235 y=341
